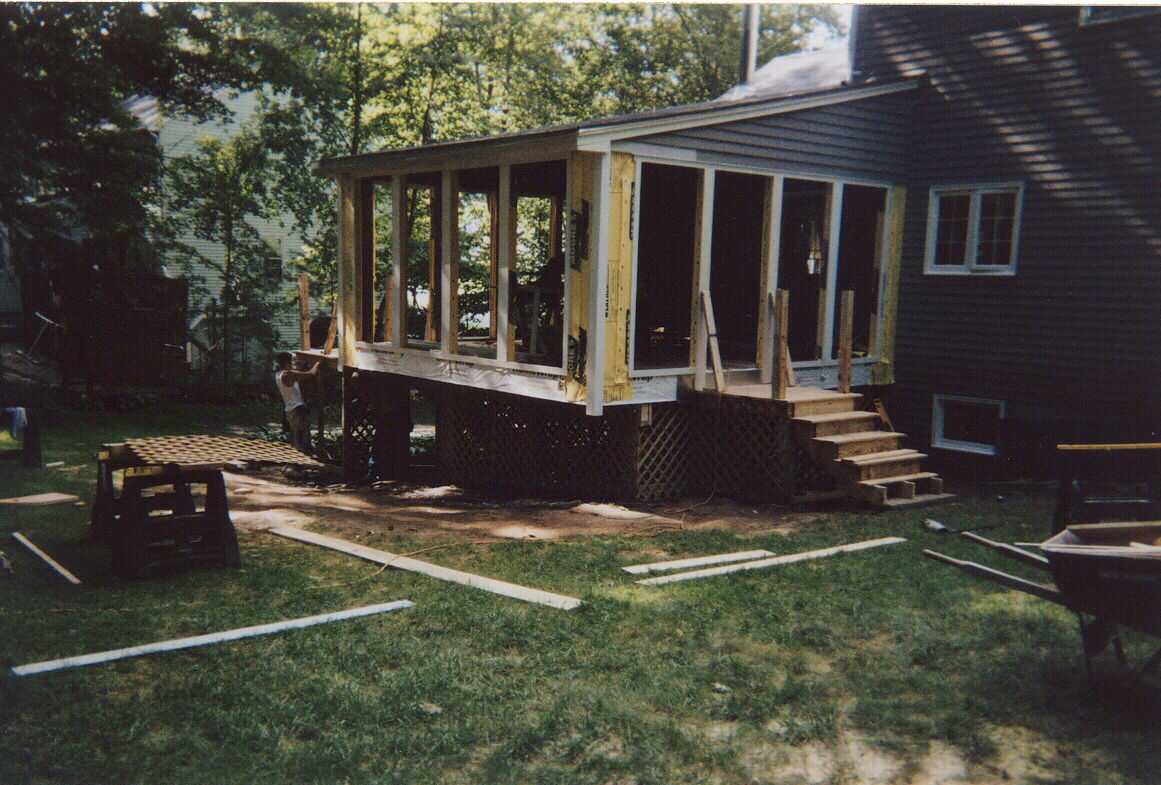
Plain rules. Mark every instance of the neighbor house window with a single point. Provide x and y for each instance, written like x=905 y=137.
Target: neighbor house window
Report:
x=973 y=229
x=966 y=424
x=1099 y=14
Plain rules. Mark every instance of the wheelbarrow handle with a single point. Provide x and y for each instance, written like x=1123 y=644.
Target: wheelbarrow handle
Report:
x=1011 y=551
x=1041 y=590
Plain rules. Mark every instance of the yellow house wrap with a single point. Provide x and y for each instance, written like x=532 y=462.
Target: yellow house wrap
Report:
x=618 y=304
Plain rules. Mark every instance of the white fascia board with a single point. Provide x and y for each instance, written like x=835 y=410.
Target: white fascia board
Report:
x=600 y=138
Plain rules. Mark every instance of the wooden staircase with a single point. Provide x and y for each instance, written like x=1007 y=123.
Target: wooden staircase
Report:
x=868 y=463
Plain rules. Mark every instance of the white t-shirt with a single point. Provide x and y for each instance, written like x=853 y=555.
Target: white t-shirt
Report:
x=292 y=395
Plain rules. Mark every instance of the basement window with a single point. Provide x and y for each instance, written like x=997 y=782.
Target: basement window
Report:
x=966 y=424
x=973 y=230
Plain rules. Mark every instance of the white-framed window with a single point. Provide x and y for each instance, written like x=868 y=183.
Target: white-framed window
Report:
x=973 y=229
x=966 y=424
x=1101 y=14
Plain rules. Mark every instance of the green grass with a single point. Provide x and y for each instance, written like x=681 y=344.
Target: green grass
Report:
x=883 y=643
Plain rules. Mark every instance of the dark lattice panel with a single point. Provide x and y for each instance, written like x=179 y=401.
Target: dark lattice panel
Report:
x=510 y=444
x=753 y=450
x=672 y=459
x=358 y=422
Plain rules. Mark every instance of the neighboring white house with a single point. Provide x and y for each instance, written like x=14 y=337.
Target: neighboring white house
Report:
x=178 y=136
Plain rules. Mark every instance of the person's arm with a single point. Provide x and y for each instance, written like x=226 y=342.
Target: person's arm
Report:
x=290 y=377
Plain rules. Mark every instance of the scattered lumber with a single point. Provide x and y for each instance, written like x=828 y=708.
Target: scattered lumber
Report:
x=51 y=562
x=774 y=562
x=408 y=564
x=41 y=499
x=177 y=644
x=696 y=561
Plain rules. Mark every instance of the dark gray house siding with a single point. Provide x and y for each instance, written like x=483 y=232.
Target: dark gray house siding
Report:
x=865 y=139
x=1072 y=342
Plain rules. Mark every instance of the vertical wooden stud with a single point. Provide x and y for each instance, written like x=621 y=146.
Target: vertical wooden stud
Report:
x=494 y=240
x=834 y=234
x=884 y=372
x=304 y=309
x=846 y=325
x=781 y=375
x=599 y=289
x=434 y=254
x=771 y=239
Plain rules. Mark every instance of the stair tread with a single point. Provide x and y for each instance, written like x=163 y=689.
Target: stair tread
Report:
x=835 y=417
x=858 y=436
x=887 y=456
x=900 y=478
x=811 y=394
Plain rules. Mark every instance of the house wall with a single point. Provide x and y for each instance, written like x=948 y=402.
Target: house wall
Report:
x=178 y=136
x=1068 y=342
x=868 y=139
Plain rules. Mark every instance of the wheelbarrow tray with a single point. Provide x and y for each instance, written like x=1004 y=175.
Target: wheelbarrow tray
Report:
x=1099 y=571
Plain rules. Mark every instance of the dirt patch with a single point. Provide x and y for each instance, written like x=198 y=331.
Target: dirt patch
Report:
x=269 y=498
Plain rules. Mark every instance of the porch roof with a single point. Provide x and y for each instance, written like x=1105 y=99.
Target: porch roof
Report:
x=595 y=134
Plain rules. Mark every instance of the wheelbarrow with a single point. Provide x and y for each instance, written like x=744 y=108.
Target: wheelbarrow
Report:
x=1107 y=572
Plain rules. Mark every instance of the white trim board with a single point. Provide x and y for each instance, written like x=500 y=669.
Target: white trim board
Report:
x=56 y=566
x=431 y=570
x=177 y=644
x=696 y=561
x=774 y=562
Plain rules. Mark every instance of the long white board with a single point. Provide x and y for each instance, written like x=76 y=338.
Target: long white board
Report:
x=201 y=640
x=774 y=562
x=57 y=567
x=504 y=588
x=695 y=561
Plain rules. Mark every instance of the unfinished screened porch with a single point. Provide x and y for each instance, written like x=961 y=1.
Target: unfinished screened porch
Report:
x=636 y=308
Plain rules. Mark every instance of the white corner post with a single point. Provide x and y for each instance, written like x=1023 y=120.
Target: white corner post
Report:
x=704 y=250
x=504 y=234
x=399 y=233
x=832 y=266
x=599 y=288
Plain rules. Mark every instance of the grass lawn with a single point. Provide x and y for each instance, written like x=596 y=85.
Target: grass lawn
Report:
x=871 y=667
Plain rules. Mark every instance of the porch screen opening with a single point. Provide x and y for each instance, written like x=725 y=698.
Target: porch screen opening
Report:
x=384 y=234
x=665 y=254
x=478 y=233
x=423 y=254
x=802 y=263
x=859 y=262
x=736 y=264
x=536 y=277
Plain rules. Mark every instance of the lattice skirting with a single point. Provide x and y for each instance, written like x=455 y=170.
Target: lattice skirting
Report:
x=739 y=448
x=733 y=447
x=510 y=444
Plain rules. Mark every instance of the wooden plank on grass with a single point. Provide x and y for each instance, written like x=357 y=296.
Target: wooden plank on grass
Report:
x=431 y=570
x=696 y=561
x=176 y=644
x=51 y=562
x=774 y=562
x=41 y=499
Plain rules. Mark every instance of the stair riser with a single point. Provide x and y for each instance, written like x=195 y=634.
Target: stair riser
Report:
x=877 y=471
x=826 y=406
x=837 y=428
x=828 y=451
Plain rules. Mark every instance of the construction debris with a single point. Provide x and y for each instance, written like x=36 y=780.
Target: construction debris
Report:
x=41 y=499
x=202 y=640
x=696 y=561
x=774 y=562
x=432 y=570
x=51 y=562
